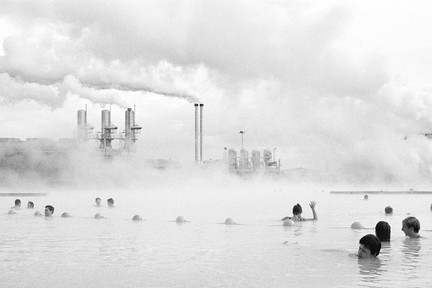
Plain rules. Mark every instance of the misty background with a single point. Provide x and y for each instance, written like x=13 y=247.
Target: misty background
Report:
x=339 y=88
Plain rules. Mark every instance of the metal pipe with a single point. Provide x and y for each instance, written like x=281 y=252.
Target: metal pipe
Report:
x=196 y=132
x=128 y=120
x=201 y=131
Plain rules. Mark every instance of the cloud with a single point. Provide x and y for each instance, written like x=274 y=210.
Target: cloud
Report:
x=310 y=78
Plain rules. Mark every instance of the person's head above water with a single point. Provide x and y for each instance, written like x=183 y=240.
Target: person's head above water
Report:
x=136 y=218
x=388 y=210
x=30 y=205
x=49 y=210
x=411 y=227
x=370 y=246
x=98 y=201
x=17 y=203
x=297 y=209
x=383 y=231
x=110 y=202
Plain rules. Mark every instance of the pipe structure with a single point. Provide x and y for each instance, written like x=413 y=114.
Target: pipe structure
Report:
x=131 y=129
x=106 y=129
x=128 y=131
x=201 y=131
x=196 y=132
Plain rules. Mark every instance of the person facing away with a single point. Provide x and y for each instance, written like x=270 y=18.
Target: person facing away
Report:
x=98 y=201
x=297 y=211
x=49 y=211
x=369 y=247
x=411 y=227
x=110 y=202
x=30 y=205
x=17 y=204
x=383 y=231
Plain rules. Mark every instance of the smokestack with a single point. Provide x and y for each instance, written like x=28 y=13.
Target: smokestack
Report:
x=196 y=132
x=128 y=125
x=201 y=131
x=82 y=124
x=106 y=129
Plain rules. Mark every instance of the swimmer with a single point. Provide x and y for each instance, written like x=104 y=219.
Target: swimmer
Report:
x=180 y=219
x=30 y=205
x=388 y=210
x=288 y=223
x=17 y=204
x=356 y=225
x=98 y=216
x=38 y=214
x=297 y=211
x=110 y=202
x=365 y=197
x=137 y=218
x=65 y=215
x=229 y=221
x=370 y=246
x=49 y=211
x=98 y=202
x=411 y=227
x=383 y=231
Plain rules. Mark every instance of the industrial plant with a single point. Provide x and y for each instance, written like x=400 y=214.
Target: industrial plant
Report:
x=108 y=132
x=44 y=156
x=245 y=164
x=85 y=132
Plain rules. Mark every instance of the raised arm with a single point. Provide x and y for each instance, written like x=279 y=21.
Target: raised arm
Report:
x=312 y=205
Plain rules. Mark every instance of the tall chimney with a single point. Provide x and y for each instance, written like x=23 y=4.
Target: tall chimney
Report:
x=128 y=125
x=196 y=132
x=201 y=131
x=82 y=124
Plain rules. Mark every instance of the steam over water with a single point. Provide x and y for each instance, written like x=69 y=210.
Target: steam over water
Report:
x=204 y=252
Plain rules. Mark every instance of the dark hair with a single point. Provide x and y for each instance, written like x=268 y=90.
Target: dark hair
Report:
x=50 y=208
x=297 y=209
x=97 y=199
x=30 y=204
x=372 y=243
x=17 y=202
x=383 y=231
x=110 y=200
x=413 y=222
x=388 y=210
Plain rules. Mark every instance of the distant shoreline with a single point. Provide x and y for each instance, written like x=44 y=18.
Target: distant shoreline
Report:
x=381 y=192
x=22 y=194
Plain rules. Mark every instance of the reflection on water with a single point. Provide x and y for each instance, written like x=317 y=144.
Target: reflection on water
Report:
x=370 y=271
x=412 y=257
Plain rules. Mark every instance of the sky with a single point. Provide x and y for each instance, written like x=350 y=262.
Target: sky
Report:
x=337 y=86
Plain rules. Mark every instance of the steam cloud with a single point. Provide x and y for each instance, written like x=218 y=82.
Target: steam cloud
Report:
x=322 y=82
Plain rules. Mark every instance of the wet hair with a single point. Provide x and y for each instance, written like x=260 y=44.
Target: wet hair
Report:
x=413 y=222
x=372 y=243
x=110 y=201
x=30 y=204
x=388 y=210
x=97 y=199
x=50 y=208
x=383 y=231
x=297 y=209
x=17 y=202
